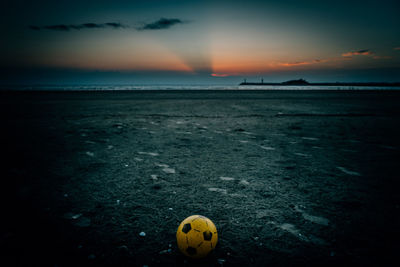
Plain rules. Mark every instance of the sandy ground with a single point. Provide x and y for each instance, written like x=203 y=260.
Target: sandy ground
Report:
x=289 y=178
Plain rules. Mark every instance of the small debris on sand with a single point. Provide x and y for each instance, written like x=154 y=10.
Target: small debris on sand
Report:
x=267 y=148
x=244 y=182
x=169 y=170
x=224 y=178
x=310 y=138
x=214 y=189
x=154 y=154
x=90 y=154
x=162 y=165
x=302 y=154
x=142 y=234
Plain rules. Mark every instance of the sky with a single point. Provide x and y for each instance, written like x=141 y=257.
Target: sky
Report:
x=198 y=42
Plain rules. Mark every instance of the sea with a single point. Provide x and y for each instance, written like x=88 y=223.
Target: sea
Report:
x=124 y=87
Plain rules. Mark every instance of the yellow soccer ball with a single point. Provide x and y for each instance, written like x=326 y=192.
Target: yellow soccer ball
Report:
x=196 y=236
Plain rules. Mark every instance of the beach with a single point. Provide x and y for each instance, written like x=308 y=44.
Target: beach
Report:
x=289 y=178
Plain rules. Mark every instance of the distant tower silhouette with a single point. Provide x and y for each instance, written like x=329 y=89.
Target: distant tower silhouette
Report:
x=244 y=80
x=262 y=80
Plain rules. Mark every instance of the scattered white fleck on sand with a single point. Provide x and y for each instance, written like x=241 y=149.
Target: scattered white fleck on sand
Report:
x=316 y=219
x=278 y=134
x=126 y=165
x=169 y=170
x=138 y=159
x=237 y=195
x=248 y=133
x=316 y=147
x=220 y=190
x=142 y=234
x=89 y=142
x=388 y=147
x=154 y=154
x=83 y=135
x=152 y=132
x=243 y=141
x=346 y=171
x=180 y=132
x=224 y=178
x=302 y=154
x=261 y=214
x=267 y=148
x=218 y=132
x=310 y=138
x=312 y=218
x=162 y=165
x=290 y=228
x=294 y=231
x=110 y=147
x=154 y=177
x=90 y=154
x=244 y=182
x=76 y=216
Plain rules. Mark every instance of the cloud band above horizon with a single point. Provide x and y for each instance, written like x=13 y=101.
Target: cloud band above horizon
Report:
x=161 y=24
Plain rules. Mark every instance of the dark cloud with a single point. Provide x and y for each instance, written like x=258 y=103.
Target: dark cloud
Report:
x=364 y=52
x=64 y=27
x=35 y=28
x=60 y=27
x=115 y=25
x=160 y=24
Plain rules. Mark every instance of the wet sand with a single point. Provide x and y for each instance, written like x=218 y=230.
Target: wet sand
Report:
x=288 y=177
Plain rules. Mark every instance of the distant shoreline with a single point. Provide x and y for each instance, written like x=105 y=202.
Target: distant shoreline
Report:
x=375 y=84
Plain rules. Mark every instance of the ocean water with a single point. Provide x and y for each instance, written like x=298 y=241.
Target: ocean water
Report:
x=116 y=87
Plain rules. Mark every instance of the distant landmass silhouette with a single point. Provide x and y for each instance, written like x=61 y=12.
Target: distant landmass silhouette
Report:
x=302 y=82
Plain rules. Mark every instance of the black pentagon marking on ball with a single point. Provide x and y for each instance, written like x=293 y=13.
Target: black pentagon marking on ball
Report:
x=191 y=251
x=186 y=228
x=207 y=235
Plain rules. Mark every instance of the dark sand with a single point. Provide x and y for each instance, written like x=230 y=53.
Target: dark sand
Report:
x=289 y=178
